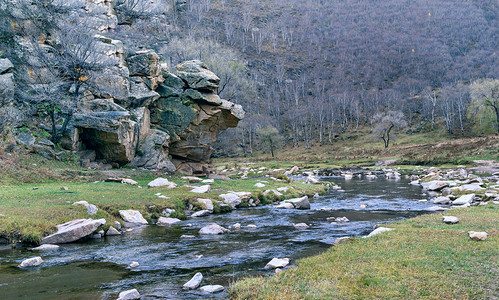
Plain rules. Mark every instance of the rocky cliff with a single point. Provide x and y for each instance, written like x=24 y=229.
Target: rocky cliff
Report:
x=137 y=111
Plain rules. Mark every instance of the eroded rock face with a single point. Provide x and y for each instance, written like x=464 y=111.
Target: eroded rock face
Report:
x=135 y=110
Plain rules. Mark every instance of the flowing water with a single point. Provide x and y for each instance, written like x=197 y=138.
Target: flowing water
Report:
x=98 y=269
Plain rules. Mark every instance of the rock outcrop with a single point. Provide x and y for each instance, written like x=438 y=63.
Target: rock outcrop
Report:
x=135 y=111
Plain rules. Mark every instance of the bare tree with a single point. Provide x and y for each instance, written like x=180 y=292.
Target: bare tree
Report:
x=386 y=122
x=485 y=95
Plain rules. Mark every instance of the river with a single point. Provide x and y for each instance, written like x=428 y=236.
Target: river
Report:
x=98 y=269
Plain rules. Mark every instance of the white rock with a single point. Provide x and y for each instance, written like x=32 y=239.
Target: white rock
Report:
x=73 y=231
x=471 y=188
x=201 y=213
x=301 y=226
x=378 y=231
x=232 y=199
x=186 y=236
x=285 y=206
x=129 y=295
x=167 y=212
x=236 y=226
x=450 y=219
x=208 y=204
x=312 y=180
x=134 y=264
x=362 y=206
x=92 y=209
x=436 y=208
x=84 y=203
x=442 y=200
x=167 y=221
x=209 y=180
x=129 y=181
x=212 y=228
x=46 y=247
x=465 y=199
x=133 y=217
x=201 y=189
x=478 y=236
x=300 y=203
x=415 y=182
x=277 y=263
x=163 y=197
x=31 y=262
x=194 y=282
x=112 y=231
x=251 y=226
x=211 y=289
x=161 y=182
x=283 y=189
x=259 y=185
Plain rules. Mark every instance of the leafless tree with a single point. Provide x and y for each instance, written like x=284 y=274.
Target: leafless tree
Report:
x=386 y=122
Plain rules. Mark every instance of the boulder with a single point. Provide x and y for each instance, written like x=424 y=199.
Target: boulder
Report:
x=450 y=220
x=475 y=187
x=31 y=262
x=197 y=76
x=312 y=180
x=212 y=229
x=46 y=247
x=167 y=221
x=232 y=199
x=192 y=179
x=378 y=231
x=278 y=194
x=208 y=204
x=129 y=295
x=133 y=217
x=194 y=282
x=134 y=264
x=435 y=185
x=442 y=200
x=259 y=185
x=158 y=182
x=73 y=231
x=277 y=263
x=478 y=236
x=299 y=203
x=112 y=231
x=211 y=289
x=463 y=200
x=144 y=64
x=285 y=206
x=201 y=189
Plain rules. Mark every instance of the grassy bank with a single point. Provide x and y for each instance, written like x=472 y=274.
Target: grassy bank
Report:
x=31 y=211
x=423 y=258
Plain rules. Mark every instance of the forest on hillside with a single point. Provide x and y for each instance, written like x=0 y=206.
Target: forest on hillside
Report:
x=308 y=71
x=315 y=69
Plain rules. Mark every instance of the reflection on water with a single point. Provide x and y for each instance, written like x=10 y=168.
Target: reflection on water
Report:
x=98 y=268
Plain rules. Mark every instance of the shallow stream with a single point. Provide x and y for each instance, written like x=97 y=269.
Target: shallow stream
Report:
x=98 y=269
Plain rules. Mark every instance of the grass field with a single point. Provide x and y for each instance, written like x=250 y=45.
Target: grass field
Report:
x=423 y=258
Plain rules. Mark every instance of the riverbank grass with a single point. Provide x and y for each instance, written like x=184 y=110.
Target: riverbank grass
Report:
x=422 y=258
x=30 y=211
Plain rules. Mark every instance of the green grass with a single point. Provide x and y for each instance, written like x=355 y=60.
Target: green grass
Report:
x=29 y=214
x=422 y=258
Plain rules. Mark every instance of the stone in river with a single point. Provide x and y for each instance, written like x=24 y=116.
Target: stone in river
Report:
x=194 y=282
x=112 y=231
x=167 y=221
x=31 y=262
x=129 y=295
x=212 y=229
x=211 y=289
x=73 y=231
x=46 y=247
x=133 y=217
